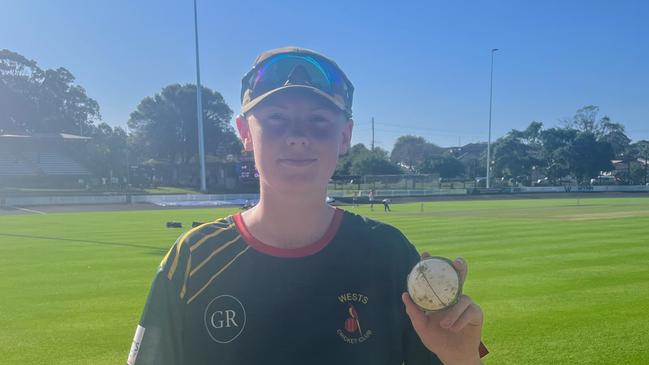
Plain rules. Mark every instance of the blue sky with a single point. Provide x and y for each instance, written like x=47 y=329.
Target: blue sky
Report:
x=418 y=67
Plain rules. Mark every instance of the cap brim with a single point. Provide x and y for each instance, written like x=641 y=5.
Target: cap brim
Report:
x=246 y=108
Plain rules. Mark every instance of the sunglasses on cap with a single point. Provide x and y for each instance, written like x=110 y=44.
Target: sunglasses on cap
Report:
x=297 y=70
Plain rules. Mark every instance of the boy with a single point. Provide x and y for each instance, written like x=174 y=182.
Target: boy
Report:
x=386 y=205
x=294 y=280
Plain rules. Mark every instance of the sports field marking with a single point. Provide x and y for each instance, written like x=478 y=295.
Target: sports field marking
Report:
x=30 y=210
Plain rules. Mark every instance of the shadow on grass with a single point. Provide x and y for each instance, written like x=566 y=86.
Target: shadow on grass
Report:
x=155 y=250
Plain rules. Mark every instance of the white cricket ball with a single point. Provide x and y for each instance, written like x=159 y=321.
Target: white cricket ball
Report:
x=434 y=284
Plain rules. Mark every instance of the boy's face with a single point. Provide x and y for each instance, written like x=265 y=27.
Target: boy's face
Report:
x=296 y=137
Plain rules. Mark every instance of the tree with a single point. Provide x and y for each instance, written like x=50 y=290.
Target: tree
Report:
x=412 y=151
x=604 y=129
x=106 y=155
x=344 y=165
x=361 y=159
x=639 y=149
x=381 y=153
x=446 y=166
x=585 y=119
x=587 y=157
x=512 y=157
x=638 y=174
x=373 y=164
x=519 y=152
x=532 y=133
x=473 y=157
x=555 y=153
x=165 y=127
x=614 y=134
x=33 y=100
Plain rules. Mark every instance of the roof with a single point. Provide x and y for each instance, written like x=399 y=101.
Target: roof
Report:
x=641 y=161
x=470 y=151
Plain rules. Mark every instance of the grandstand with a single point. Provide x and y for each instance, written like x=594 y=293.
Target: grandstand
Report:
x=37 y=164
x=32 y=160
x=12 y=165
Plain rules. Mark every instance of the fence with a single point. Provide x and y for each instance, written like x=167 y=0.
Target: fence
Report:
x=240 y=199
x=397 y=182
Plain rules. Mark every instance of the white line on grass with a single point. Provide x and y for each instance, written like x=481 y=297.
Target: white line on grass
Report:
x=30 y=210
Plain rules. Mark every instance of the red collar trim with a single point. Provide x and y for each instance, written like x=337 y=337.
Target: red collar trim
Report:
x=289 y=252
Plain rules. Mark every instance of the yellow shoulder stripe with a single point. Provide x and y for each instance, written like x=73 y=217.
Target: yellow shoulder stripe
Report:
x=191 y=249
x=207 y=237
x=184 y=288
x=214 y=253
x=217 y=274
x=174 y=265
x=164 y=259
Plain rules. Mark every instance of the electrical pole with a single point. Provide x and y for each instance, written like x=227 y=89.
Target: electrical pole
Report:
x=372 y=134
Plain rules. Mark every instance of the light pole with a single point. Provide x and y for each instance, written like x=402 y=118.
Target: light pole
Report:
x=199 y=108
x=646 y=159
x=128 y=167
x=491 y=89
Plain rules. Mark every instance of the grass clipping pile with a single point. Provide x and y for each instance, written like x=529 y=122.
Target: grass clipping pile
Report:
x=434 y=284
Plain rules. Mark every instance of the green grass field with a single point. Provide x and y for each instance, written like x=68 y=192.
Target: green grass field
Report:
x=560 y=283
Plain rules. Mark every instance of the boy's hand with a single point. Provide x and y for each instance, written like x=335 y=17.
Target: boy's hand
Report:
x=454 y=333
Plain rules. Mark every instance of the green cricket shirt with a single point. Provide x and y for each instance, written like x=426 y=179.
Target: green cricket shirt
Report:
x=223 y=297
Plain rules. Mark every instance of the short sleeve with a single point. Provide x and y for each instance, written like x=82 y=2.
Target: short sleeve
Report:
x=158 y=336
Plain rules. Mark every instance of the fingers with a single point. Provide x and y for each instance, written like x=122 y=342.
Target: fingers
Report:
x=460 y=315
x=471 y=316
x=453 y=313
x=464 y=313
x=417 y=316
x=461 y=266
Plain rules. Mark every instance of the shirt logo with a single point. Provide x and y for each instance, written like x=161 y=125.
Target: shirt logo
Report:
x=352 y=332
x=224 y=318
